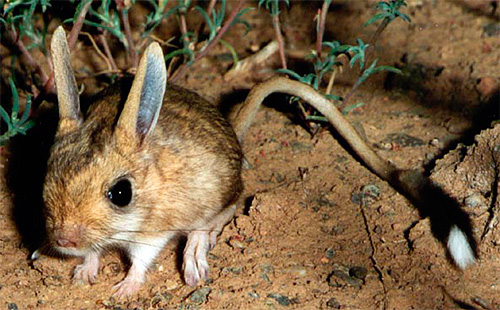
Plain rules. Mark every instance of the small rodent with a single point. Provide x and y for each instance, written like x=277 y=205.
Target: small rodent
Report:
x=131 y=174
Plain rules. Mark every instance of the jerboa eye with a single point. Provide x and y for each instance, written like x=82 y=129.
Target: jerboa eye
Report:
x=120 y=194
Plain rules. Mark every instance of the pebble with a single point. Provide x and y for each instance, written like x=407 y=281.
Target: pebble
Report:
x=358 y=272
x=281 y=299
x=474 y=200
x=386 y=146
x=161 y=299
x=200 y=295
x=237 y=244
x=403 y=140
x=113 y=269
x=371 y=191
x=330 y=253
x=492 y=29
x=457 y=126
x=357 y=198
x=253 y=294
x=343 y=275
x=333 y=303
x=12 y=306
x=235 y=270
x=298 y=271
x=435 y=142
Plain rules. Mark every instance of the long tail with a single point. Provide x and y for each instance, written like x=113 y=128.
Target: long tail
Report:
x=449 y=223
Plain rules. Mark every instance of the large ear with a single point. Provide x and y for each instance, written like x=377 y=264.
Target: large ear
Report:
x=70 y=116
x=141 y=110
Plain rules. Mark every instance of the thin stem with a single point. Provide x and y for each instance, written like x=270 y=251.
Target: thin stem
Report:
x=279 y=39
x=221 y=32
x=350 y=93
x=376 y=35
x=99 y=52
x=12 y=36
x=107 y=51
x=48 y=86
x=128 y=34
x=321 y=27
x=210 y=7
x=332 y=80
x=77 y=26
x=373 y=40
x=184 y=30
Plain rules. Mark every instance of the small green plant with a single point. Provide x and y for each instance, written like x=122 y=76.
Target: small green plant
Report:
x=24 y=24
x=15 y=124
x=108 y=19
x=273 y=7
x=329 y=62
x=19 y=17
x=390 y=11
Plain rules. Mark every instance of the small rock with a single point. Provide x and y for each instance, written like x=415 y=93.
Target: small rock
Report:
x=474 y=200
x=386 y=146
x=235 y=270
x=457 y=126
x=343 y=275
x=435 y=142
x=281 y=299
x=12 y=306
x=333 y=303
x=371 y=191
x=358 y=272
x=492 y=29
x=237 y=244
x=403 y=140
x=200 y=295
x=161 y=299
x=357 y=198
x=298 y=271
x=253 y=294
x=330 y=253
x=113 y=269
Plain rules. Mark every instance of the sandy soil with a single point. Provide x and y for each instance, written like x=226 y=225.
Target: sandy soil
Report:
x=302 y=238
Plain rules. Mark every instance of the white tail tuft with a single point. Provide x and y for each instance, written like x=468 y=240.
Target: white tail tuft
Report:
x=459 y=247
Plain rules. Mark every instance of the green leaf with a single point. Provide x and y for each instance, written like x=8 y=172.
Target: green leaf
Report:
x=333 y=97
x=316 y=118
x=352 y=107
x=290 y=73
x=15 y=98
x=208 y=21
x=233 y=52
x=178 y=52
x=376 y=17
x=27 y=110
x=6 y=118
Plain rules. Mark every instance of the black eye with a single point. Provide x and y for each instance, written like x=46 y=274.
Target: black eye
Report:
x=120 y=194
